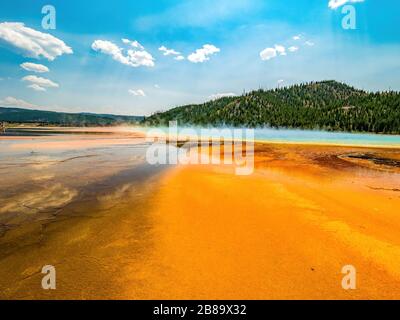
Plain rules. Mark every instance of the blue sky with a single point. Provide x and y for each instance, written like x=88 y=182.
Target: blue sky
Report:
x=209 y=48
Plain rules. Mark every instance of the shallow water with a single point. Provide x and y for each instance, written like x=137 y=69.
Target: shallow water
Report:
x=296 y=136
x=344 y=138
x=61 y=198
x=41 y=177
x=260 y=134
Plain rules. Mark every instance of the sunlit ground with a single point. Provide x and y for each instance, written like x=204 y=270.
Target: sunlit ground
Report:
x=117 y=227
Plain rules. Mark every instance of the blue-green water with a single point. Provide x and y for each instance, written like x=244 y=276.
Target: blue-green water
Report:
x=261 y=134
x=299 y=136
x=303 y=136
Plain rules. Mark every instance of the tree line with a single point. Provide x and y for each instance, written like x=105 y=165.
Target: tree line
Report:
x=326 y=105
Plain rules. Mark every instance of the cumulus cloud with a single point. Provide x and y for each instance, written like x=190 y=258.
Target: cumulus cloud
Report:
x=269 y=53
x=133 y=58
x=168 y=52
x=138 y=92
x=280 y=50
x=34 y=67
x=39 y=83
x=179 y=58
x=217 y=96
x=32 y=43
x=293 y=48
x=334 y=4
x=133 y=43
x=140 y=58
x=36 y=87
x=203 y=54
x=310 y=43
x=14 y=102
x=297 y=37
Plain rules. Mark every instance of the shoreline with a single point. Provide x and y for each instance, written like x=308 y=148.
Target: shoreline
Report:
x=132 y=134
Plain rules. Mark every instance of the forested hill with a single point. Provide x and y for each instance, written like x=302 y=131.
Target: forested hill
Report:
x=18 y=115
x=326 y=105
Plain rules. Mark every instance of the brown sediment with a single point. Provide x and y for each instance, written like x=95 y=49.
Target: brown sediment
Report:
x=375 y=160
x=384 y=189
x=202 y=232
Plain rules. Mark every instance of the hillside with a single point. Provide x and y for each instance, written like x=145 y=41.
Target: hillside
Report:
x=327 y=105
x=18 y=115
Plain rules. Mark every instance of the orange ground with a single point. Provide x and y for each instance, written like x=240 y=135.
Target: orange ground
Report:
x=284 y=232
x=201 y=232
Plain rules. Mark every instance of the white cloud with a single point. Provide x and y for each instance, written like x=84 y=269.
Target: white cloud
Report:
x=167 y=52
x=293 y=49
x=269 y=53
x=280 y=81
x=179 y=58
x=156 y=86
x=36 y=87
x=222 y=95
x=280 y=49
x=18 y=103
x=140 y=58
x=309 y=43
x=133 y=58
x=298 y=37
x=32 y=43
x=138 y=92
x=202 y=54
x=111 y=49
x=39 y=83
x=334 y=4
x=34 y=67
x=133 y=43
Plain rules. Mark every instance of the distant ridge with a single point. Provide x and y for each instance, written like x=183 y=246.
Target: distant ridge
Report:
x=19 y=115
x=325 y=105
